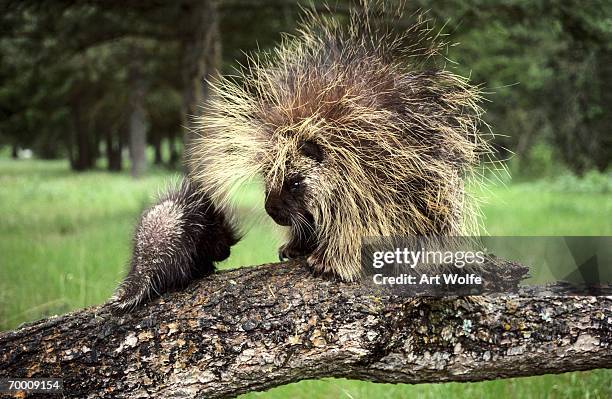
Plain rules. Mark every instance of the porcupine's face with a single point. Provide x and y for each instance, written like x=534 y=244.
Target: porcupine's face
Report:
x=289 y=200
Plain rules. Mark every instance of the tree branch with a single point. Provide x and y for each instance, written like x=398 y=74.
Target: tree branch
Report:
x=260 y=327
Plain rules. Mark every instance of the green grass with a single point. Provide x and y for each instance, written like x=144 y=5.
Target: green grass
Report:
x=65 y=242
x=564 y=206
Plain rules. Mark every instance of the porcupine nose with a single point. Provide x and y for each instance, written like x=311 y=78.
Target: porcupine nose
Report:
x=276 y=210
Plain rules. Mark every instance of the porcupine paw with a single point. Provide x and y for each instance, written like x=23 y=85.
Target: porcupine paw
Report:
x=315 y=265
x=290 y=251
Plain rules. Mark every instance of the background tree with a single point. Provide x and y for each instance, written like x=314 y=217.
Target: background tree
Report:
x=77 y=76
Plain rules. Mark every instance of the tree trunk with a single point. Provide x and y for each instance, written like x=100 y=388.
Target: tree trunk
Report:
x=174 y=153
x=157 y=139
x=138 y=121
x=113 y=151
x=14 y=151
x=84 y=157
x=255 y=328
x=201 y=49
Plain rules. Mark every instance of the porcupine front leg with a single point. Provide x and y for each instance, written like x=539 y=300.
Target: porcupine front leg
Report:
x=300 y=244
x=340 y=257
x=176 y=241
x=294 y=248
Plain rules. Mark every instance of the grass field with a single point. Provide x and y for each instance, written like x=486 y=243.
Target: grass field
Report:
x=65 y=241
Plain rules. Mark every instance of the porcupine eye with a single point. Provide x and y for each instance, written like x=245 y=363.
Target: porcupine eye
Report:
x=295 y=185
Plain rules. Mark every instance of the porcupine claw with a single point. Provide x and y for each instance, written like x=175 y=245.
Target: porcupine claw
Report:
x=290 y=251
x=286 y=252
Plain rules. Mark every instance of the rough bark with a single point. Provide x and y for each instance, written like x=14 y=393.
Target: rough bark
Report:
x=256 y=328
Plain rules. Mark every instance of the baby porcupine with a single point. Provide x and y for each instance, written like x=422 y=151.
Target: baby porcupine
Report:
x=176 y=241
x=355 y=131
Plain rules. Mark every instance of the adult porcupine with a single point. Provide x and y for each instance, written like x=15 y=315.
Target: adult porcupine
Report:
x=356 y=131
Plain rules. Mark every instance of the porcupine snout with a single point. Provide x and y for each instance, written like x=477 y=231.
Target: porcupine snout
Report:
x=277 y=209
